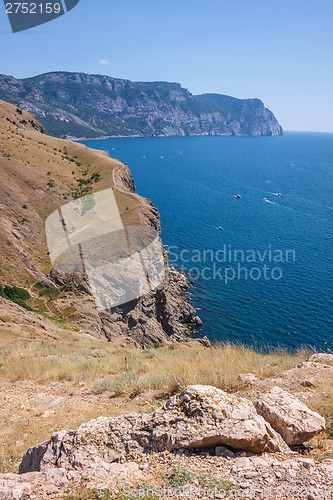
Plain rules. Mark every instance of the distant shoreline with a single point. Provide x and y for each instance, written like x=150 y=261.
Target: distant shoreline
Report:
x=102 y=138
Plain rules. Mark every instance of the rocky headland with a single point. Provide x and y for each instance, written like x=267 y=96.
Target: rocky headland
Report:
x=83 y=105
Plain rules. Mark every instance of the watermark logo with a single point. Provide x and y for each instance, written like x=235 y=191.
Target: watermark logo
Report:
x=228 y=264
x=121 y=262
x=26 y=15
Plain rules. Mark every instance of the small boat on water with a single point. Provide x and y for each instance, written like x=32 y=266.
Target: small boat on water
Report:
x=219 y=228
x=266 y=200
x=238 y=196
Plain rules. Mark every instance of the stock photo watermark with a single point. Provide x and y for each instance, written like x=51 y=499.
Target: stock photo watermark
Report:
x=230 y=491
x=26 y=15
x=187 y=491
x=228 y=264
x=121 y=262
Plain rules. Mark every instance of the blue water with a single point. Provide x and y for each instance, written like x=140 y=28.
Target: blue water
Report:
x=193 y=182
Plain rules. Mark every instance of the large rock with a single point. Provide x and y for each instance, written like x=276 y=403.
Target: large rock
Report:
x=201 y=416
x=292 y=419
x=204 y=416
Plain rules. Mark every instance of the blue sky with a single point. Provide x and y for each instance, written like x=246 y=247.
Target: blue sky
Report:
x=281 y=52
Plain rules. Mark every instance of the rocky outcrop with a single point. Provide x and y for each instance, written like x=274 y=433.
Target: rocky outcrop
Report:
x=202 y=422
x=292 y=419
x=201 y=416
x=82 y=105
x=162 y=317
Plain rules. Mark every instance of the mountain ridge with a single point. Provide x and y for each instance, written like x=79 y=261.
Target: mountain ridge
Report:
x=80 y=105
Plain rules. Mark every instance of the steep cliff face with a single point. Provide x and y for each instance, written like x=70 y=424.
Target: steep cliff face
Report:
x=81 y=105
x=40 y=174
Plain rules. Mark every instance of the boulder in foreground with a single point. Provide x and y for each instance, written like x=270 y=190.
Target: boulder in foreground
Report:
x=291 y=418
x=201 y=416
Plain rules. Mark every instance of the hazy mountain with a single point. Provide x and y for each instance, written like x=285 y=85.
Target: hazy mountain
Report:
x=82 y=105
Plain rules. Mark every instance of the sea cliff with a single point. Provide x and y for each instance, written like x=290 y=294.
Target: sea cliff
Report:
x=46 y=173
x=81 y=105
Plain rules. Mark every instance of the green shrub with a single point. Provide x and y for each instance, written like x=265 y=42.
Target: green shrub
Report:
x=16 y=294
x=49 y=293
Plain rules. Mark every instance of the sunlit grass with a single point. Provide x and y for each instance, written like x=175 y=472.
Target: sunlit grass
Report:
x=127 y=371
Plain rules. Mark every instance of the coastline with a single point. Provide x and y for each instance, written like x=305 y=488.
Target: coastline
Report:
x=102 y=138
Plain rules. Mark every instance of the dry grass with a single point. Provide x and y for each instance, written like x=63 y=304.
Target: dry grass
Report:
x=98 y=378
x=130 y=372
x=322 y=402
x=25 y=423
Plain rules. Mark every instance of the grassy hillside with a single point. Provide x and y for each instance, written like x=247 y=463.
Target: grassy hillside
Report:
x=38 y=174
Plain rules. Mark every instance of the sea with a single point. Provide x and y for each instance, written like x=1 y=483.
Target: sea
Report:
x=250 y=219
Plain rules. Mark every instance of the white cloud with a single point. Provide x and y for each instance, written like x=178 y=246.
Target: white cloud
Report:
x=104 y=62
